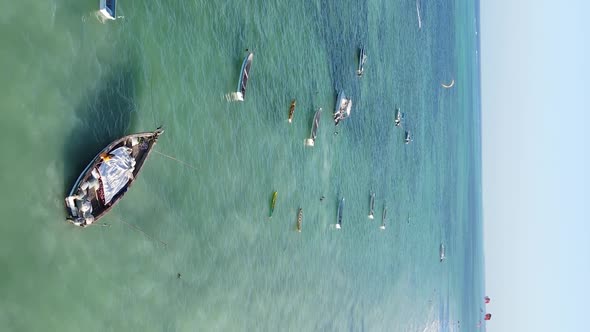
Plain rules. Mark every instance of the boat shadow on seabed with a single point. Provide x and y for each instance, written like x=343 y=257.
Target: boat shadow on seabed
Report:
x=102 y=117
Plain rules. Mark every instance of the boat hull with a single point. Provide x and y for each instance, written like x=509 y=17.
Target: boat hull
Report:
x=398 y=117
x=292 y=110
x=372 y=206
x=244 y=77
x=273 y=203
x=340 y=209
x=343 y=108
x=140 y=146
x=362 y=59
x=108 y=9
x=314 y=128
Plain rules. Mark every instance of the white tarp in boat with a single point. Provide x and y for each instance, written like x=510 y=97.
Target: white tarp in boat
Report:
x=116 y=172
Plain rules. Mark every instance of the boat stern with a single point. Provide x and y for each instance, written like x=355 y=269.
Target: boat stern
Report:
x=107 y=8
x=71 y=208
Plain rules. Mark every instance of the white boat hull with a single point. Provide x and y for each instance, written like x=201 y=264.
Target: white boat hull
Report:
x=107 y=9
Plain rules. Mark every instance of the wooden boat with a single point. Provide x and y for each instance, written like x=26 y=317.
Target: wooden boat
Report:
x=292 y=110
x=408 y=138
x=108 y=9
x=299 y=219
x=362 y=59
x=339 y=219
x=244 y=75
x=418 y=13
x=372 y=206
x=273 y=202
x=383 y=218
x=398 y=117
x=314 y=128
x=343 y=107
x=104 y=182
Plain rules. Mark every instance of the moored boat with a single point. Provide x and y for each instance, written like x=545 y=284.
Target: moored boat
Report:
x=408 y=137
x=244 y=76
x=372 y=206
x=314 y=128
x=362 y=59
x=343 y=107
x=292 y=110
x=299 y=219
x=273 y=202
x=398 y=117
x=339 y=218
x=108 y=9
x=104 y=182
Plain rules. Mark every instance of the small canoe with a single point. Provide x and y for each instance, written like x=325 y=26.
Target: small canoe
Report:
x=314 y=128
x=408 y=137
x=418 y=13
x=292 y=110
x=372 y=206
x=343 y=107
x=108 y=9
x=244 y=76
x=398 y=117
x=362 y=59
x=299 y=219
x=339 y=219
x=104 y=182
x=273 y=203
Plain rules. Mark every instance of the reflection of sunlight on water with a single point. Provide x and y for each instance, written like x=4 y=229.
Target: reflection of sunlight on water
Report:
x=433 y=320
x=433 y=326
x=437 y=323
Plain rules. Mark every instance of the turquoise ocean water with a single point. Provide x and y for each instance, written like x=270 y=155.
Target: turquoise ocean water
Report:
x=72 y=84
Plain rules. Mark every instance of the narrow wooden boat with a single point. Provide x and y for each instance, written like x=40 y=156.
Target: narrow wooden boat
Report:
x=372 y=206
x=244 y=76
x=292 y=110
x=339 y=219
x=314 y=128
x=362 y=59
x=408 y=137
x=418 y=13
x=343 y=107
x=108 y=9
x=104 y=182
x=299 y=219
x=398 y=117
x=273 y=202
